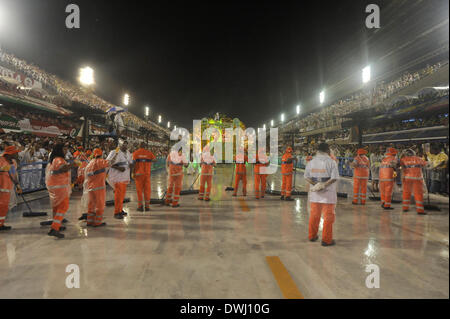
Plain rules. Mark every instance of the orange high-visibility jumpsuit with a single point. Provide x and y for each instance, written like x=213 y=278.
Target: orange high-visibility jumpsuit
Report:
x=6 y=187
x=413 y=180
x=286 y=172
x=386 y=176
x=142 y=175
x=95 y=183
x=360 y=178
x=81 y=170
x=240 y=174
x=260 y=179
x=59 y=189
x=175 y=178
x=206 y=176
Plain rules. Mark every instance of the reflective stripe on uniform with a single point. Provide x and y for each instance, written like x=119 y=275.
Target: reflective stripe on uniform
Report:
x=172 y=163
x=57 y=186
x=386 y=180
x=4 y=190
x=361 y=177
x=97 y=172
x=143 y=160
x=59 y=171
x=97 y=188
x=413 y=178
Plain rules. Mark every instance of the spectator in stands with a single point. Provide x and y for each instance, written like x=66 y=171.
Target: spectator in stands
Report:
x=439 y=163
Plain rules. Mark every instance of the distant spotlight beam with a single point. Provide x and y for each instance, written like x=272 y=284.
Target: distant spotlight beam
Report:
x=366 y=74
x=86 y=76
x=126 y=99
x=322 y=97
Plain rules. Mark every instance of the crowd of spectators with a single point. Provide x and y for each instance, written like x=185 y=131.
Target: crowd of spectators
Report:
x=64 y=92
x=364 y=99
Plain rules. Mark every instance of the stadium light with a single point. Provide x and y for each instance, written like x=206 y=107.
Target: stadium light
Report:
x=298 y=109
x=322 y=97
x=264 y=127
x=159 y=119
x=366 y=74
x=282 y=117
x=168 y=124
x=126 y=99
x=271 y=123
x=174 y=127
x=86 y=76
x=147 y=111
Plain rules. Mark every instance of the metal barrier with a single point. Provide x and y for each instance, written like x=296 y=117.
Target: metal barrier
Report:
x=32 y=176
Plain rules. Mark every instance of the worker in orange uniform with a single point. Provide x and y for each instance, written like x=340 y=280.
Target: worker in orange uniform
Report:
x=287 y=167
x=360 y=167
x=95 y=176
x=119 y=176
x=388 y=165
x=260 y=179
x=174 y=164
x=207 y=165
x=7 y=182
x=143 y=159
x=57 y=180
x=240 y=173
x=322 y=173
x=411 y=166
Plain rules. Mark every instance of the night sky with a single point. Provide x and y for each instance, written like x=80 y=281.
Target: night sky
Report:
x=190 y=59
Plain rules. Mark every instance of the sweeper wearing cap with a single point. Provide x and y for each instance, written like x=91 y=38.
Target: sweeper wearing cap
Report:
x=95 y=187
x=387 y=177
x=360 y=167
x=57 y=180
x=7 y=182
x=411 y=166
x=287 y=168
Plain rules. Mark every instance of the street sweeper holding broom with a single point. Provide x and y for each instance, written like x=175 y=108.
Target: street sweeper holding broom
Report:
x=287 y=168
x=7 y=183
x=411 y=166
x=57 y=180
x=174 y=164
x=208 y=163
x=262 y=160
x=143 y=159
x=95 y=189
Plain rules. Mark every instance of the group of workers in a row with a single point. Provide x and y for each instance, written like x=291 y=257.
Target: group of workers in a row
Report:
x=409 y=165
x=94 y=171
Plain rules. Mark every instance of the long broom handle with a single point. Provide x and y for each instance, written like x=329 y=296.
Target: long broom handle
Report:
x=26 y=203
x=232 y=177
x=192 y=186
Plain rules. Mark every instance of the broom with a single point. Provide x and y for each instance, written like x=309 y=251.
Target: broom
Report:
x=30 y=213
x=231 y=188
x=191 y=191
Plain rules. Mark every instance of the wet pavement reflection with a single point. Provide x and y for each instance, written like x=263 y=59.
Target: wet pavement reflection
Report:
x=217 y=249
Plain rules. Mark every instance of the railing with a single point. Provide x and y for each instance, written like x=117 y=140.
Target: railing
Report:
x=32 y=176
